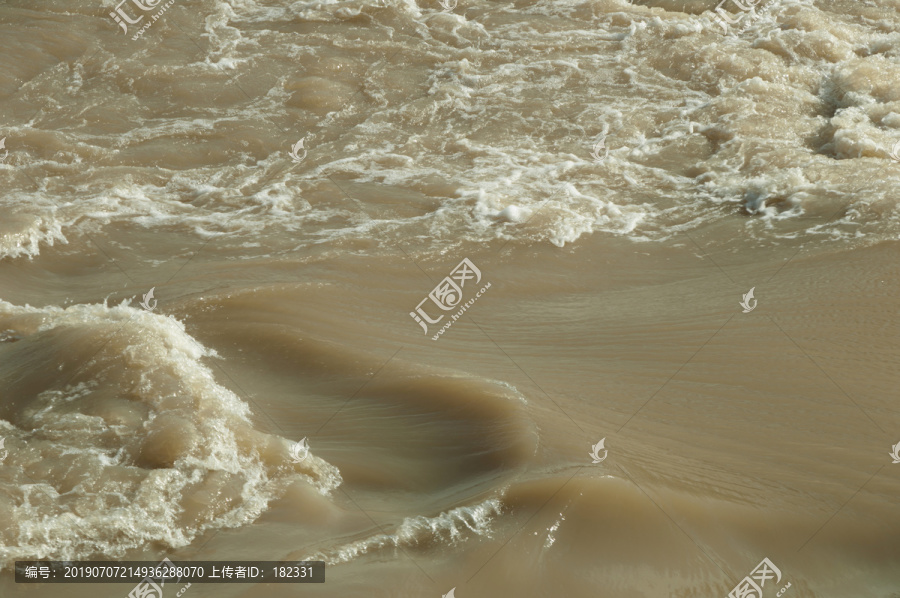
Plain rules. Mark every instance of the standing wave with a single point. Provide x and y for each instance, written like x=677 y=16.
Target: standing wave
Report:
x=119 y=436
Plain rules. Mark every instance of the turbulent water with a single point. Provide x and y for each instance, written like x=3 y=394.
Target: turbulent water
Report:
x=581 y=299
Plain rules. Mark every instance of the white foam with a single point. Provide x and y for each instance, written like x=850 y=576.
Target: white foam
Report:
x=120 y=505
x=450 y=527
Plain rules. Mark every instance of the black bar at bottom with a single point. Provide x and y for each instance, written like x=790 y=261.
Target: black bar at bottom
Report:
x=172 y=572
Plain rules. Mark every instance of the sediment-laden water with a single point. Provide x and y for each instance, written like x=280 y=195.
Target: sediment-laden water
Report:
x=453 y=247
